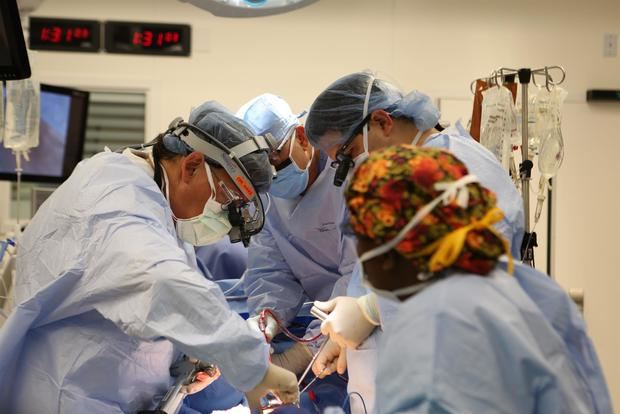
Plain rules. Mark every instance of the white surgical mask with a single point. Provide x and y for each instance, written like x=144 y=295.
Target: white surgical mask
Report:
x=416 y=139
x=206 y=228
x=395 y=295
x=359 y=160
x=451 y=191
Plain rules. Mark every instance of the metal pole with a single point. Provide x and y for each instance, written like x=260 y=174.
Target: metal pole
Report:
x=525 y=180
x=525 y=75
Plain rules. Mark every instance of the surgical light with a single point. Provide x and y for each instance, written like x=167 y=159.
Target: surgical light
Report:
x=249 y=8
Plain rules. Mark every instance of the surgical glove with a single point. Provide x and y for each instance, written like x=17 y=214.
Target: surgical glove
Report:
x=295 y=359
x=201 y=381
x=271 y=326
x=278 y=381
x=332 y=358
x=348 y=323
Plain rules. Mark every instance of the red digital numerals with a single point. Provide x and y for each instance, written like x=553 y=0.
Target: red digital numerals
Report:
x=57 y=34
x=149 y=38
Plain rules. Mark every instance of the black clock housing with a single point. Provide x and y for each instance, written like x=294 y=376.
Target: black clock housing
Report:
x=147 y=38
x=65 y=35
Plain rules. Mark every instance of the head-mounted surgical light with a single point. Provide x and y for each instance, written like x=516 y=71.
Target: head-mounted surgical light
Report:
x=246 y=215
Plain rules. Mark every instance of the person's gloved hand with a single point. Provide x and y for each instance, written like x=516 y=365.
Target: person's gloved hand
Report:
x=347 y=324
x=295 y=359
x=202 y=380
x=271 y=326
x=278 y=381
x=332 y=358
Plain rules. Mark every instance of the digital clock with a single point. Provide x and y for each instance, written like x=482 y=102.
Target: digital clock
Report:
x=64 y=34
x=147 y=38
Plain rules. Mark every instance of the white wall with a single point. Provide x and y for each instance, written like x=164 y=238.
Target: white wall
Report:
x=437 y=46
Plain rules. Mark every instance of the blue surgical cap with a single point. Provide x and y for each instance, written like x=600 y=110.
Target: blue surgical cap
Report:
x=216 y=120
x=339 y=110
x=271 y=114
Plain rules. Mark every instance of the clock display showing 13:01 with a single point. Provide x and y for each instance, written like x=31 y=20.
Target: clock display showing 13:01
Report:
x=151 y=38
x=147 y=38
x=53 y=34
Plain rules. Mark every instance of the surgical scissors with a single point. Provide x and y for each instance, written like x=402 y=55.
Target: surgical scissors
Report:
x=321 y=316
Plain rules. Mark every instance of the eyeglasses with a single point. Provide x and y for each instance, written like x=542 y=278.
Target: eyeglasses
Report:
x=343 y=149
x=275 y=154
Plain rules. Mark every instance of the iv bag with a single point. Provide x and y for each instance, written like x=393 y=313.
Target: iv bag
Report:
x=539 y=119
x=21 y=130
x=551 y=152
x=498 y=123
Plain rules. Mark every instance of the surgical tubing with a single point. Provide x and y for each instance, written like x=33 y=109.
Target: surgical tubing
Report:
x=262 y=325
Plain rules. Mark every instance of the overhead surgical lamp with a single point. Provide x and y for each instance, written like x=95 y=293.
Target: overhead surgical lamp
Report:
x=249 y=8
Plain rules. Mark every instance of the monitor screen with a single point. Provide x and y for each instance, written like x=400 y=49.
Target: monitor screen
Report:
x=61 y=138
x=5 y=55
x=13 y=56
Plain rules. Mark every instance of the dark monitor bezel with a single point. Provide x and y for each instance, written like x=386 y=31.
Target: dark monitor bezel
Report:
x=19 y=67
x=73 y=153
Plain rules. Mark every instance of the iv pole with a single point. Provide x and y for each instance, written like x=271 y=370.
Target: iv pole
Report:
x=525 y=169
x=526 y=76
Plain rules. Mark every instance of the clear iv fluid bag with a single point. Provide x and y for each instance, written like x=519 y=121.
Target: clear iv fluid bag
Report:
x=551 y=152
x=551 y=155
x=21 y=130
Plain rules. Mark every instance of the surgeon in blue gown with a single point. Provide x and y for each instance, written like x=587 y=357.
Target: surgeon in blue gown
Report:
x=372 y=113
x=223 y=260
x=466 y=338
x=108 y=293
x=301 y=254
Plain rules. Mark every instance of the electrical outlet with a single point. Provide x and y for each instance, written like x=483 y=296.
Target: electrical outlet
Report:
x=610 y=45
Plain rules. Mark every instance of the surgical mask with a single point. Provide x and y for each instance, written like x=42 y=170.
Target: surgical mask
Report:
x=358 y=161
x=206 y=228
x=291 y=180
x=454 y=190
x=417 y=137
x=395 y=295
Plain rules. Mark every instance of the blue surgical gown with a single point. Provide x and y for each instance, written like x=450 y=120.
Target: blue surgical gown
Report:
x=472 y=344
x=563 y=316
x=222 y=260
x=555 y=305
x=108 y=297
x=562 y=313
x=482 y=163
x=301 y=253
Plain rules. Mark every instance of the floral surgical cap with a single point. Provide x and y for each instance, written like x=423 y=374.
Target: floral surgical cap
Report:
x=394 y=183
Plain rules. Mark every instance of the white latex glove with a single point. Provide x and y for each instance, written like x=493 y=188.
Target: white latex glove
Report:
x=295 y=359
x=202 y=381
x=347 y=324
x=271 y=326
x=278 y=381
x=332 y=358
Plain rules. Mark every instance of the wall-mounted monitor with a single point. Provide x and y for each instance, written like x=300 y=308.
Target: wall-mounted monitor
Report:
x=61 y=138
x=13 y=56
